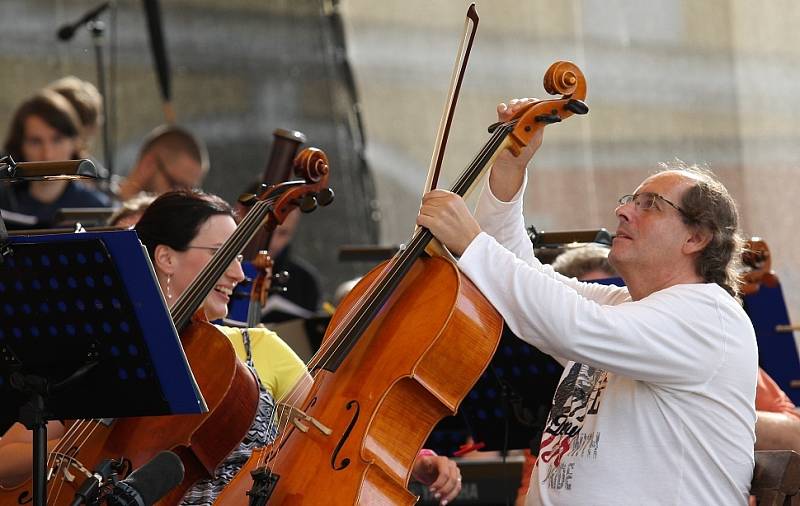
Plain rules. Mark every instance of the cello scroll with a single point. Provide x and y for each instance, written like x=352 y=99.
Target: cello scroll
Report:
x=562 y=77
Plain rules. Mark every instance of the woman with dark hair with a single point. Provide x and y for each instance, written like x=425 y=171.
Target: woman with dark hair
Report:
x=46 y=128
x=182 y=230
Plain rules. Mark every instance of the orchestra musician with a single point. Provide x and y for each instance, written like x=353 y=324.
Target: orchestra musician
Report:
x=46 y=128
x=171 y=158
x=87 y=102
x=656 y=402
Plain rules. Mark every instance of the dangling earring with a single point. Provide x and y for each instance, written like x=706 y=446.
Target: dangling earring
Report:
x=169 y=289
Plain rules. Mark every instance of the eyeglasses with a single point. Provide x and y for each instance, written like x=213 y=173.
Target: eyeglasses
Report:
x=214 y=249
x=647 y=200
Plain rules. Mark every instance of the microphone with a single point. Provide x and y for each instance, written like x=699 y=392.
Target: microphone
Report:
x=149 y=483
x=66 y=32
x=87 y=493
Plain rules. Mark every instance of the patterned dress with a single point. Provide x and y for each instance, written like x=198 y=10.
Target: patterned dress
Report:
x=262 y=432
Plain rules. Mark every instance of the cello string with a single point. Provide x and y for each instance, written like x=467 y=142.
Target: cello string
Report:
x=281 y=420
x=198 y=290
x=66 y=458
x=73 y=434
x=399 y=263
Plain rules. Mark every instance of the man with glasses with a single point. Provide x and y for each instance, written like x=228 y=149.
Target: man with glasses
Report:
x=656 y=403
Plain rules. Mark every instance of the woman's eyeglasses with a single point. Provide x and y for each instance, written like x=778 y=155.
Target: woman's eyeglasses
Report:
x=214 y=249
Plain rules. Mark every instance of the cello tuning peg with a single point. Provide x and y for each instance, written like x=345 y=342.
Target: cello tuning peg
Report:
x=494 y=126
x=577 y=106
x=325 y=197
x=247 y=199
x=308 y=204
x=548 y=118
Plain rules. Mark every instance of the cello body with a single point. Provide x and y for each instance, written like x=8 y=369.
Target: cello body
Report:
x=413 y=365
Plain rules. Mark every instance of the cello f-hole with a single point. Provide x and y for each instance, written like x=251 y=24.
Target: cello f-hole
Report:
x=345 y=461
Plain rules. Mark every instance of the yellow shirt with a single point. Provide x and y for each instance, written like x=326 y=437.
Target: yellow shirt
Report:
x=277 y=365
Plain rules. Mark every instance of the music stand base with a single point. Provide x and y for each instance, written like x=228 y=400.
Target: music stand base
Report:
x=32 y=416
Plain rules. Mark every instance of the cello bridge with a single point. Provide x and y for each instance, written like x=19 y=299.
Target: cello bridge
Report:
x=62 y=464
x=299 y=417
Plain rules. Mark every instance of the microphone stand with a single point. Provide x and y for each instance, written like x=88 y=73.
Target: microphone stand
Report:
x=97 y=29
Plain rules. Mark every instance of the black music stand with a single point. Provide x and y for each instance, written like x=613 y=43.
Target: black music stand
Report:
x=86 y=216
x=508 y=406
x=85 y=333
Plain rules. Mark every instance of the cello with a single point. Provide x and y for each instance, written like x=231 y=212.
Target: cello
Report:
x=403 y=349
x=278 y=169
x=229 y=388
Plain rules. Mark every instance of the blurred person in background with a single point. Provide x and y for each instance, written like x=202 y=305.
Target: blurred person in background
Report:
x=171 y=158
x=128 y=214
x=587 y=262
x=46 y=128
x=88 y=103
